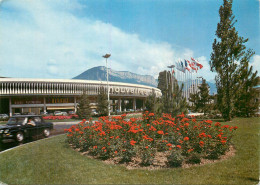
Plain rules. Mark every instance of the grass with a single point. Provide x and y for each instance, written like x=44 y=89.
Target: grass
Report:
x=51 y=161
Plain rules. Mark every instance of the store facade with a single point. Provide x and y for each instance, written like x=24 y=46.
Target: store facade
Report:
x=20 y=95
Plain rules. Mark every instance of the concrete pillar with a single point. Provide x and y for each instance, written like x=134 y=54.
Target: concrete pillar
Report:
x=119 y=105
x=75 y=104
x=10 y=107
x=134 y=104
x=44 y=104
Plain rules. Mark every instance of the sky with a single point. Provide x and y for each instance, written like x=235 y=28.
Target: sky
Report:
x=59 y=39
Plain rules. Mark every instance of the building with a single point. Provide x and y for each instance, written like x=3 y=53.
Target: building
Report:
x=20 y=95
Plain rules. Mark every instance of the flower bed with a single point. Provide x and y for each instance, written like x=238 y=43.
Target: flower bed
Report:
x=180 y=139
x=60 y=117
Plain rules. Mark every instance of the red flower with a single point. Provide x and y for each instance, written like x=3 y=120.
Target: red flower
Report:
x=186 y=138
x=115 y=152
x=132 y=142
x=217 y=124
x=190 y=150
x=169 y=144
x=223 y=142
x=235 y=127
x=178 y=146
x=186 y=124
x=146 y=147
x=94 y=147
x=160 y=132
x=201 y=143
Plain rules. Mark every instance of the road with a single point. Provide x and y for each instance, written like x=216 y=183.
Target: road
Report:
x=58 y=128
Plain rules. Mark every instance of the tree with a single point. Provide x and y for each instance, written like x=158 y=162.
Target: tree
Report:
x=102 y=103
x=194 y=99
x=201 y=99
x=246 y=104
x=172 y=100
x=84 y=110
x=152 y=103
x=229 y=53
x=204 y=96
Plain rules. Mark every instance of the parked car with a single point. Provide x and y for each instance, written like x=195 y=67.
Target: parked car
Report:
x=64 y=113
x=57 y=113
x=72 y=112
x=18 y=128
x=17 y=114
x=44 y=113
x=4 y=116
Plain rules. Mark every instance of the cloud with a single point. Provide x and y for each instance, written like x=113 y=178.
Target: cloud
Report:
x=47 y=39
x=256 y=63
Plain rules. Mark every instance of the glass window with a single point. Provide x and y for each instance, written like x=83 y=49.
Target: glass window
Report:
x=21 y=121
x=11 y=121
x=37 y=119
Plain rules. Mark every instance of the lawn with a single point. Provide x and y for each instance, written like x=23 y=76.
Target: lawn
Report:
x=51 y=161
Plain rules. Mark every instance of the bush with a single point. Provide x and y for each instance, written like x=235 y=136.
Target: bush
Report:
x=175 y=158
x=185 y=139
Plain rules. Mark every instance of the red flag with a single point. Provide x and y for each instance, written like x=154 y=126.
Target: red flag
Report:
x=197 y=63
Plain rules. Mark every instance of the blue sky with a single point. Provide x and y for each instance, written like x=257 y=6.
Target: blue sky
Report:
x=63 y=38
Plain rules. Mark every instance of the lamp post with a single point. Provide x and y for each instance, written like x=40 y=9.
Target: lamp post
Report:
x=106 y=56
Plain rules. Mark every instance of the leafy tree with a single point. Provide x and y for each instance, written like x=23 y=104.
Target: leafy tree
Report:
x=246 y=99
x=84 y=110
x=102 y=102
x=229 y=52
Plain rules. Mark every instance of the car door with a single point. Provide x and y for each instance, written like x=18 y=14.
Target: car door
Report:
x=29 y=129
x=38 y=125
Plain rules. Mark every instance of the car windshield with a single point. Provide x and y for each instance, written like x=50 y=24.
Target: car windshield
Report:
x=11 y=121
x=17 y=121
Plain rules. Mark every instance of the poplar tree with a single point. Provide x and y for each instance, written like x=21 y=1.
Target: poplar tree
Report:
x=84 y=110
x=102 y=102
x=228 y=55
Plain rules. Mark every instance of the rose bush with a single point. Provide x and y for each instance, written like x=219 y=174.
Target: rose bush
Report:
x=59 y=117
x=180 y=138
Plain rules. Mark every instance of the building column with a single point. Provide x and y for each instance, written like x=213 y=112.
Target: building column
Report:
x=119 y=105
x=44 y=104
x=134 y=104
x=75 y=104
x=10 y=107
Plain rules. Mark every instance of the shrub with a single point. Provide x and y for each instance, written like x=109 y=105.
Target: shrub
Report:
x=179 y=137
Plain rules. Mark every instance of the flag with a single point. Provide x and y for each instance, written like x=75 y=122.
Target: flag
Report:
x=192 y=65
x=173 y=71
x=197 y=63
x=179 y=66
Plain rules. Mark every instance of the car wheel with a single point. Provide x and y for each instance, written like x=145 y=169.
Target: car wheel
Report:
x=46 y=132
x=19 y=137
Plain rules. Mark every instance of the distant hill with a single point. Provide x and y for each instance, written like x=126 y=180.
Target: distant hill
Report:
x=100 y=73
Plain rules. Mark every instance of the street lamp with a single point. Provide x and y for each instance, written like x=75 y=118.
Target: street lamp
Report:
x=106 y=56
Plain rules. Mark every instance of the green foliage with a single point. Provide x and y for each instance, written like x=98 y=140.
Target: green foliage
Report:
x=229 y=54
x=175 y=159
x=84 y=110
x=201 y=100
x=102 y=103
x=246 y=99
x=153 y=104
x=172 y=101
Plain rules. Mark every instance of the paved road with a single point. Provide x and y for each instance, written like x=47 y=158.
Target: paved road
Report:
x=58 y=128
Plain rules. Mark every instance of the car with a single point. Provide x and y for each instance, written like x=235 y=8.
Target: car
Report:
x=72 y=112
x=64 y=113
x=57 y=113
x=4 y=116
x=17 y=128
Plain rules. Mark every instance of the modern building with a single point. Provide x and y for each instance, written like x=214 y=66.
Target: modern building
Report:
x=20 y=95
